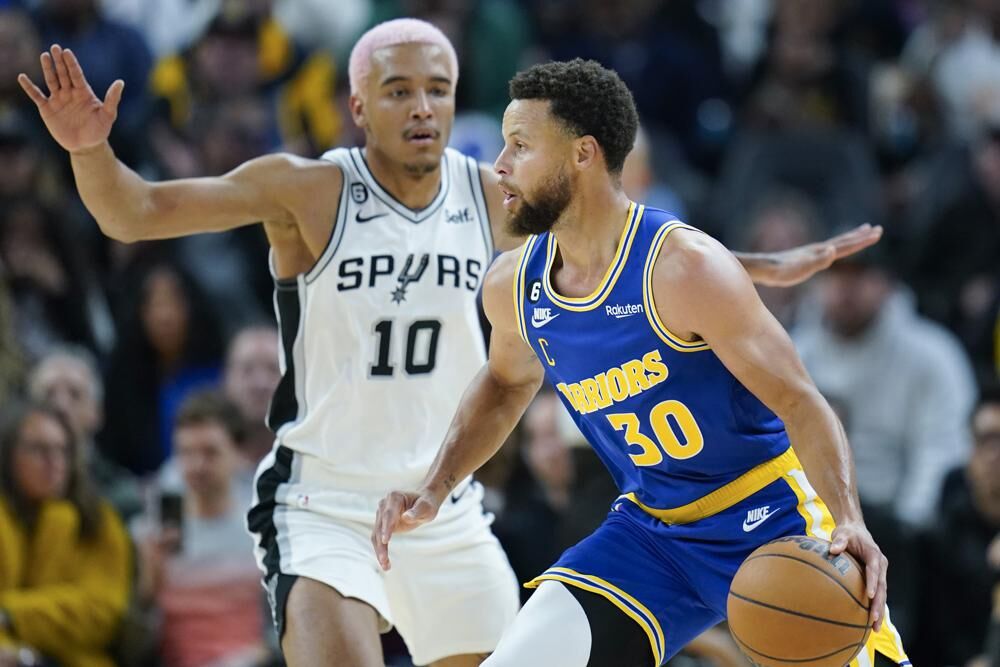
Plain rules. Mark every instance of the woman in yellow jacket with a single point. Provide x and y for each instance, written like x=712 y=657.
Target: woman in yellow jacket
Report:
x=65 y=558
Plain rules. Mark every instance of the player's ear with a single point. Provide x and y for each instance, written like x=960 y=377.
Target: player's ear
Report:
x=357 y=106
x=586 y=151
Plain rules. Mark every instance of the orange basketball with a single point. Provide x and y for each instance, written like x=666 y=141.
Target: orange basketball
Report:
x=792 y=603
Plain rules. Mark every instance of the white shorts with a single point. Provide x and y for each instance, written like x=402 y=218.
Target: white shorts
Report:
x=451 y=590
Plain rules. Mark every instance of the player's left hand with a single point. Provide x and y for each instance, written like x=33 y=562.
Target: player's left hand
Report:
x=398 y=512
x=855 y=539
x=791 y=267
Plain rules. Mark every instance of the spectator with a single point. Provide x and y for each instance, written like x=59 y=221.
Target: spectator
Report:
x=68 y=379
x=954 y=265
x=11 y=362
x=243 y=53
x=904 y=385
x=170 y=345
x=251 y=376
x=640 y=183
x=783 y=219
x=55 y=292
x=957 y=52
x=957 y=580
x=231 y=266
x=65 y=557
x=805 y=80
x=19 y=47
x=108 y=51
x=489 y=37
x=201 y=574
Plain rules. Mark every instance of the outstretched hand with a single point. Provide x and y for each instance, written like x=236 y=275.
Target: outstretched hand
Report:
x=857 y=541
x=791 y=267
x=73 y=114
x=399 y=512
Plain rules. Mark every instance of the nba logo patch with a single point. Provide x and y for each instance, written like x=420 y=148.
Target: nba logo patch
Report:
x=359 y=193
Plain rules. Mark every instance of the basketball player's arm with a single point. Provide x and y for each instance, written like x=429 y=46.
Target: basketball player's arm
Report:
x=701 y=291
x=796 y=265
x=776 y=269
x=490 y=408
x=129 y=208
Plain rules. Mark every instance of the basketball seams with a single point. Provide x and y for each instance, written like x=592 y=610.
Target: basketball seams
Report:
x=815 y=567
x=800 y=614
x=855 y=647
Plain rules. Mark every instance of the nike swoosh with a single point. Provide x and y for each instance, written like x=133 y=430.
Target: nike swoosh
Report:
x=361 y=218
x=541 y=323
x=747 y=527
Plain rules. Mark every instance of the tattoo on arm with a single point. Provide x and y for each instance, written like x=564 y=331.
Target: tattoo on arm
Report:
x=449 y=482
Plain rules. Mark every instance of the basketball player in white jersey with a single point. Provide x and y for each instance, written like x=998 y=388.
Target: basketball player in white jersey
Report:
x=378 y=254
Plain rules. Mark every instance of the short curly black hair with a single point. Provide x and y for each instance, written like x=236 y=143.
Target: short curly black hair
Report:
x=589 y=99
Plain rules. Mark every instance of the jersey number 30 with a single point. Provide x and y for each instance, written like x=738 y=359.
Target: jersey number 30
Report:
x=668 y=420
x=421 y=348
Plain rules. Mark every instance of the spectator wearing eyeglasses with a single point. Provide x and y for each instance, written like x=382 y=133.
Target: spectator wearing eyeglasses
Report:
x=65 y=558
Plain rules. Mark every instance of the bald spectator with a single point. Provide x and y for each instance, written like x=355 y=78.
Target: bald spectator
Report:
x=67 y=378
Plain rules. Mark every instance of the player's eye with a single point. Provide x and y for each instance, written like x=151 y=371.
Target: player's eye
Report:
x=399 y=92
x=439 y=92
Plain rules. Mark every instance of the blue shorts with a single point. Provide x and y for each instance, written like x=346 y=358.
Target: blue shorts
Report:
x=673 y=580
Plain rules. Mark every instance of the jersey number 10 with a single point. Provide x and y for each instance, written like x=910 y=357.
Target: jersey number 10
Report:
x=383 y=332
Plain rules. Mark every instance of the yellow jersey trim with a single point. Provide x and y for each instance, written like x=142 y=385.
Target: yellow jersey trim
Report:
x=638 y=612
x=663 y=333
x=820 y=524
x=725 y=496
x=522 y=327
x=597 y=297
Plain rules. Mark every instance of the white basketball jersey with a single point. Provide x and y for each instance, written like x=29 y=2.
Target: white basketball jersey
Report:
x=381 y=338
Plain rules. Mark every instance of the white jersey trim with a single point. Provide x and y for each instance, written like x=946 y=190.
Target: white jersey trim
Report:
x=414 y=216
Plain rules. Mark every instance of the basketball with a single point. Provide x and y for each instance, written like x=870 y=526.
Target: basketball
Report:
x=792 y=603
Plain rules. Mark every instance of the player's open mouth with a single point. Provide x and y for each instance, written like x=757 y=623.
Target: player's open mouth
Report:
x=508 y=197
x=421 y=136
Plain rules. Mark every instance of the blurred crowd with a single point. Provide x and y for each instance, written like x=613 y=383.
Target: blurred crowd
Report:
x=135 y=378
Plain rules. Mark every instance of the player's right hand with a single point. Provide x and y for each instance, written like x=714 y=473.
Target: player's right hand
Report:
x=74 y=115
x=398 y=512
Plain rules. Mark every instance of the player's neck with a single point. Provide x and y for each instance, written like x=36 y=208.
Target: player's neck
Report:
x=413 y=191
x=589 y=230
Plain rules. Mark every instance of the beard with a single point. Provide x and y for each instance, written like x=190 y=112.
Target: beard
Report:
x=418 y=169
x=540 y=216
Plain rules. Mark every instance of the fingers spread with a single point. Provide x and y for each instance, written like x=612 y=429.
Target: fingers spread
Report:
x=33 y=91
x=49 y=73
x=76 y=76
x=61 y=72
x=114 y=96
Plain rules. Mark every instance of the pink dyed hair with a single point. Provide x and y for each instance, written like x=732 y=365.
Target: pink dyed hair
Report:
x=391 y=33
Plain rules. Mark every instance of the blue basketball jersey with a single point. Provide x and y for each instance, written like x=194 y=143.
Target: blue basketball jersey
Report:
x=670 y=422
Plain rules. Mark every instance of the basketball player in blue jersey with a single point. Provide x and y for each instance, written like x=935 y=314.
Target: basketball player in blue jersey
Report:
x=688 y=389
x=377 y=255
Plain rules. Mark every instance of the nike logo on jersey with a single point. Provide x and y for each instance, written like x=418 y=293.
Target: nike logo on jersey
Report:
x=361 y=218
x=619 y=311
x=757 y=516
x=542 y=316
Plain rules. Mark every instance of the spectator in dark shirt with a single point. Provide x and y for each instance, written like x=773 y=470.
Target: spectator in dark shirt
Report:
x=170 y=345
x=957 y=581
